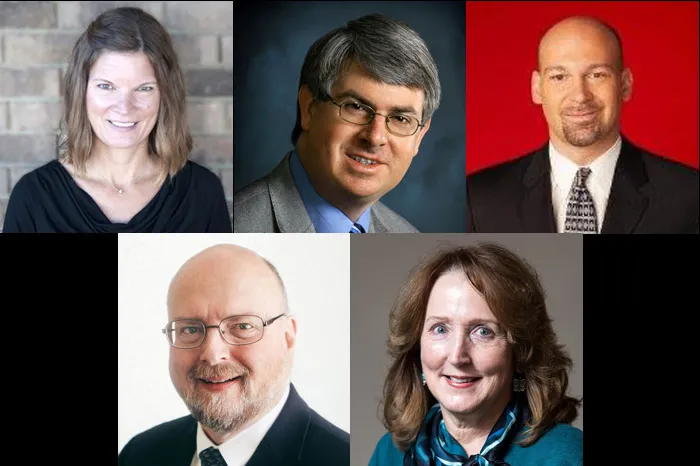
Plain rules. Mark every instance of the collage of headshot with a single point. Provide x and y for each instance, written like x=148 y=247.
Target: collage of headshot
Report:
x=493 y=143
x=496 y=155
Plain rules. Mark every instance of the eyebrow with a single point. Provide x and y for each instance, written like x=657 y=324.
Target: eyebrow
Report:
x=359 y=98
x=195 y=319
x=110 y=82
x=550 y=69
x=469 y=322
x=237 y=314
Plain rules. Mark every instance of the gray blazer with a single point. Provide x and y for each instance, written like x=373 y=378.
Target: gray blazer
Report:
x=272 y=204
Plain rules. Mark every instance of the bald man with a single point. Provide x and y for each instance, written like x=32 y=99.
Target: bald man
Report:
x=588 y=178
x=232 y=345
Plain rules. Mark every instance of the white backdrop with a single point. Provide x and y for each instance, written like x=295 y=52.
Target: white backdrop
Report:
x=316 y=273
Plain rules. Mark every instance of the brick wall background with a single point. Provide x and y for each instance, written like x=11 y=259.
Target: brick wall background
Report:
x=36 y=39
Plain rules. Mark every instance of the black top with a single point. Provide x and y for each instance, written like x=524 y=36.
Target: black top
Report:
x=47 y=200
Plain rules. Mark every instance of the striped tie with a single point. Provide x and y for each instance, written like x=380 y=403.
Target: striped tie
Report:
x=580 y=210
x=212 y=457
x=356 y=228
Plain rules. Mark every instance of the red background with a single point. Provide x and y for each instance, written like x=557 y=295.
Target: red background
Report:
x=660 y=46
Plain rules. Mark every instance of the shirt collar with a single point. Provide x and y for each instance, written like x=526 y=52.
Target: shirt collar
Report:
x=325 y=217
x=602 y=170
x=239 y=449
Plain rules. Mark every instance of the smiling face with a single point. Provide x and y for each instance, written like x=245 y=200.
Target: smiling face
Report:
x=581 y=84
x=329 y=146
x=220 y=282
x=464 y=353
x=122 y=100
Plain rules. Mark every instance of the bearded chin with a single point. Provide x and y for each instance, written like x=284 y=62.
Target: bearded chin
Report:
x=223 y=413
x=581 y=137
x=220 y=414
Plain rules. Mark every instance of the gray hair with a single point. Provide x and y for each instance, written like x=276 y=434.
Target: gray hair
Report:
x=388 y=50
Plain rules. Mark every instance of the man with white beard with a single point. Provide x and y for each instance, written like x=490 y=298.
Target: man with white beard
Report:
x=232 y=344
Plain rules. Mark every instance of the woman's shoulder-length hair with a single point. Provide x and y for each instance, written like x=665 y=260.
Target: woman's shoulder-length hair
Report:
x=513 y=292
x=126 y=29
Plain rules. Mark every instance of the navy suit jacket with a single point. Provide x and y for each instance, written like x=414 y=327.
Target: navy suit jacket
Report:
x=298 y=437
x=649 y=194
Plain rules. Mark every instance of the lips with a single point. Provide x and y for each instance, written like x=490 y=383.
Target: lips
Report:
x=123 y=124
x=581 y=113
x=217 y=385
x=460 y=382
x=462 y=378
x=218 y=381
x=363 y=158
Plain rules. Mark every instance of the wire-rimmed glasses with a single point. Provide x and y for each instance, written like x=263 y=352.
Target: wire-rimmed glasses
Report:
x=235 y=330
x=360 y=114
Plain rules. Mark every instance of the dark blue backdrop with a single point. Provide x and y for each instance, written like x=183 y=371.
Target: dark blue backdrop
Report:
x=270 y=42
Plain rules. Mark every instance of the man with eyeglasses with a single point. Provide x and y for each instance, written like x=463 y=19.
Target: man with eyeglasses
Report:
x=367 y=93
x=232 y=344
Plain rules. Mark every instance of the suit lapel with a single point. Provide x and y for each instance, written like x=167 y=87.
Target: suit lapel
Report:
x=181 y=453
x=372 y=222
x=535 y=206
x=627 y=201
x=284 y=442
x=375 y=223
x=287 y=206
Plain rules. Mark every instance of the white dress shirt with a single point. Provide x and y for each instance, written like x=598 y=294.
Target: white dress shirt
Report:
x=240 y=448
x=563 y=172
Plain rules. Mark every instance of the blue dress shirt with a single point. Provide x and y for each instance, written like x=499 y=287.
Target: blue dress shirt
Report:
x=325 y=217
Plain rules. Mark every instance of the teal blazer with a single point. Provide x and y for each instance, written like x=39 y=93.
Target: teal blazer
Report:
x=562 y=445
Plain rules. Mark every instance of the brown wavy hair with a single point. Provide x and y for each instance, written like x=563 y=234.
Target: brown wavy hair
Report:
x=126 y=29
x=513 y=292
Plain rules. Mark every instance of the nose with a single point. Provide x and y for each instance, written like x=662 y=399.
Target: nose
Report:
x=581 y=91
x=214 y=349
x=375 y=132
x=124 y=104
x=459 y=350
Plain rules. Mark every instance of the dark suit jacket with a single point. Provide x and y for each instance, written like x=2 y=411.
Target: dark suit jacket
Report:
x=299 y=437
x=649 y=194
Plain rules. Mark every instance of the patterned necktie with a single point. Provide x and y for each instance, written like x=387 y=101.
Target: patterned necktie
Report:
x=212 y=457
x=356 y=228
x=580 y=210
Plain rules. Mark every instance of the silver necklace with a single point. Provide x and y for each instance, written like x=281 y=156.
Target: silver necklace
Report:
x=121 y=190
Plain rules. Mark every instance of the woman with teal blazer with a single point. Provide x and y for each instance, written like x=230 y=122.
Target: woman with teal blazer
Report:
x=477 y=376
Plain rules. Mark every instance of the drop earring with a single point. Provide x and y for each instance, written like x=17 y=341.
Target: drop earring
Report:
x=422 y=375
x=518 y=383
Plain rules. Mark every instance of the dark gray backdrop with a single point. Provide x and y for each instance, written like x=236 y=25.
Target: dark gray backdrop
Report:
x=379 y=266
x=270 y=42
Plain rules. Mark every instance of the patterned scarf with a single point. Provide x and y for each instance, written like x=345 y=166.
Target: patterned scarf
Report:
x=434 y=446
